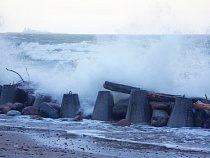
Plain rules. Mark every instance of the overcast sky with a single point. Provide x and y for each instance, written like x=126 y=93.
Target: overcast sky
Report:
x=106 y=16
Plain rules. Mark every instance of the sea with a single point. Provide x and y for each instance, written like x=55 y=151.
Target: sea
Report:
x=59 y=63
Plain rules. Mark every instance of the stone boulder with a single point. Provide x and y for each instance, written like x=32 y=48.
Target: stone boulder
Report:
x=13 y=113
x=166 y=106
x=6 y=107
x=120 y=109
x=41 y=99
x=47 y=111
x=30 y=110
x=207 y=123
x=0 y=89
x=159 y=118
x=17 y=106
x=124 y=122
x=30 y=100
x=22 y=95
x=200 y=116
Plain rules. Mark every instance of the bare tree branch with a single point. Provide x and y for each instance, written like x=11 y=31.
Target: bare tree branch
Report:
x=16 y=73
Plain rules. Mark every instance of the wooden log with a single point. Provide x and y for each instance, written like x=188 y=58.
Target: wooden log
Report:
x=138 y=109
x=200 y=105
x=118 y=87
x=103 y=106
x=152 y=96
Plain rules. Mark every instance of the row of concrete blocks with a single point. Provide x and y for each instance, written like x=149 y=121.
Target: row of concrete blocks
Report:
x=139 y=110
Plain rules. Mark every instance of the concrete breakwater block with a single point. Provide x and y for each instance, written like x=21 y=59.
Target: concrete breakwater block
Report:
x=70 y=105
x=138 y=109
x=9 y=94
x=182 y=113
x=103 y=106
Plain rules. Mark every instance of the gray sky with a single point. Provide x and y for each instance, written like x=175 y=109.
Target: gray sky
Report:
x=106 y=16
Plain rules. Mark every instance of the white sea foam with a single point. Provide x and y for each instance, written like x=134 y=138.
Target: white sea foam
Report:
x=167 y=64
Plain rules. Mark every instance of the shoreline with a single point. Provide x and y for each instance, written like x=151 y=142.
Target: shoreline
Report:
x=43 y=138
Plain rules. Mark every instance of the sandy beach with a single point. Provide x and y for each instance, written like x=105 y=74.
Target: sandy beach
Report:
x=25 y=137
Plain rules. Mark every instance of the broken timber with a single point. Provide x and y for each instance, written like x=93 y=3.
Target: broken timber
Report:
x=151 y=95
x=200 y=105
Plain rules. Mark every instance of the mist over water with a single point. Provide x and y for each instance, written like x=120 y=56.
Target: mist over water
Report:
x=175 y=64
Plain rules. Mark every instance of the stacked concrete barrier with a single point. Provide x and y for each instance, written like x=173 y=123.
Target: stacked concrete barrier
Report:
x=70 y=105
x=9 y=94
x=103 y=106
x=182 y=114
x=138 y=108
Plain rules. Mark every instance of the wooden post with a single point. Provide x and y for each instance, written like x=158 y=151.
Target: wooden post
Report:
x=70 y=105
x=182 y=114
x=103 y=106
x=9 y=94
x=138 y=108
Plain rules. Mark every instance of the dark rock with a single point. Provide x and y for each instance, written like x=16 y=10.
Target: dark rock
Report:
x=17 y=106
x=120 y=109
x=124 y=122
x=37 y=117
x=22 y=95
x=13 y=113
x=207 y=123
x=40 y=99
x=77 y=118
x=159 y=118
x=30 y=110
x=0 y=89
x=30 y=100
x=47 y=111
x=200 y=117
x=55 y=106
x=6 y=107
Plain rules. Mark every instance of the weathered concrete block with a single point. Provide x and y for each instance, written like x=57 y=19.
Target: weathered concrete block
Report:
x=103 y=106
x=139 y=110
x=9 y=94
x=70 y=105
x=182 y=113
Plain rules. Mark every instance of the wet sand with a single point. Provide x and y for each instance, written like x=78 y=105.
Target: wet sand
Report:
x=19 y=145
x=43 y=139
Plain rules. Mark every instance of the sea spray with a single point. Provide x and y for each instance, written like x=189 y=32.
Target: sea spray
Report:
x=175 y=64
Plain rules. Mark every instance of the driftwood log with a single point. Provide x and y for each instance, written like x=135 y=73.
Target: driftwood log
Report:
x=118 y=87
x=151 y=95
x=200 y=105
